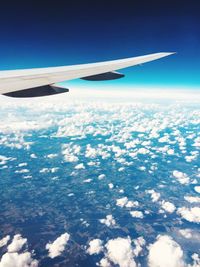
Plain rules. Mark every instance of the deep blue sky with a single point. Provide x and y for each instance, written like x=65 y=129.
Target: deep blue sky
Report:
x=52 y=33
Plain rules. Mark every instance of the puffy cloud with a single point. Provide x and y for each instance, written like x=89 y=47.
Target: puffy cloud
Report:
x=168 y=206
x=192 y=199
x=132 y=204
x=165 y=252
x=170 y=152
x=181 y=177
x=87 y=180
x=104 y=263
x=196 y=260
x=139 y=243
x=13 y=256
x=4 y=241
x=3 y=160
x=57 y=247
x=18 y=260
x=121 y=202
x=110 y=185
x=190 y=214
x=120 y=251
x=80 y=166
x=197 y=189
x=109 y=221
x=154 y=195
x=95 y=246
x=101 y=176
x=187 y=233
x=143 y=151
x=137 y=214
x=17 y=243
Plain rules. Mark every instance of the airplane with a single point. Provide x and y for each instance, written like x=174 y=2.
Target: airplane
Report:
x=43 y=81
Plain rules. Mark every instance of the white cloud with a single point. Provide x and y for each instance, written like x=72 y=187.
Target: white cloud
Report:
x=192 y=199
x=13 y=257
x=181 y=177
x=57 y=247
x=109 y=220
x=121 y=202
x=154 y=195
x=143 y=151
x=165 y=252
x=119 y=251
x=80 y=166
x=190 y=214
x=132 y=204
x=110 y=186
x=18 y=260
x=101 y=176
x=187 y=233
x=87 y=180
x=4 y=241
x=196 y=260
x=17 y=243
x=137 y=214
x=168 y=206
x=95 y=246
x=139 y=243
x=197 y=189
x=104 y=263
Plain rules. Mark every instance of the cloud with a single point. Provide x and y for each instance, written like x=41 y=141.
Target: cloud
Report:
x=119 y=251
x=197 y=189
x=196 y=260
x=137 y=214
x=187 y=233
x=154 y=195
x=192 y=199
x=190 y=214
x=165 y=252
x=168 y=206
x=121 y=202
x=17 y=243
x=139 y=244
x=57 y=247
x=13 y=257
x=101 y=176
x=18 y=260
x=109 y=221
x=95 y=246
x=110 y=185
x=4 y=241
x=80 y=166
x=181 y=177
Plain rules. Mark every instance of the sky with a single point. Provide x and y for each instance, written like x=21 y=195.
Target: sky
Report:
x=54 y=33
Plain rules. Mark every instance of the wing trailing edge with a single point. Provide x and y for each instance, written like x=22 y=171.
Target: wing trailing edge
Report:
x=29 y=82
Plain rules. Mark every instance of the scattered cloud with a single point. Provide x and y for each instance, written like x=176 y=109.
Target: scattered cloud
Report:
x=137 y=214
x=190 y=214
x=4 y=241
x=95 y=246
x=120 y=251
x=181 y=177
x=17 y=243
x=57 y=247
x=165 y=252
x=168 y=206
x=109 y=221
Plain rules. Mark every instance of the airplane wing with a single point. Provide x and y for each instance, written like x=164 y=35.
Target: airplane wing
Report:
x=42 y=81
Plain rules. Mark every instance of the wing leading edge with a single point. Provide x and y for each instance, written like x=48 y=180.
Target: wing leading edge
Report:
x=29 y=80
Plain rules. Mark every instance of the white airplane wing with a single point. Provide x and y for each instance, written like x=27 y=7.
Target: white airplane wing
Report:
x=42 y=81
